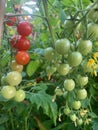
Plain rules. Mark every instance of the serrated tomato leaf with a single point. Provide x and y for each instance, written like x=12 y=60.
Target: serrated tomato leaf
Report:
x=43 y=100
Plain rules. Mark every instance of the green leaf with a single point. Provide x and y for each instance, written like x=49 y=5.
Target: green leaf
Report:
x=32 y=67
x=3 y=119
x=95 y=124
x=2 y=127
x=43 y=100
x=40 y=87
x=62 y=16
x=5 y=59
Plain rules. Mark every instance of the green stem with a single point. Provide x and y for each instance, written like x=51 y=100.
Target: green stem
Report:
x=32 y=15
x=12 y=122
x=48 y=22
x=26 y=118
x=26 y=123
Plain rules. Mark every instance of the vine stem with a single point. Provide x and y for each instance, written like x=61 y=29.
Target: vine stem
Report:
x=12 y=122
x=32 y=15
x=48 y=21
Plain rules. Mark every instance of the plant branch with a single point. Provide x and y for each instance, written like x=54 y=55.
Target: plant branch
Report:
x=48 y=22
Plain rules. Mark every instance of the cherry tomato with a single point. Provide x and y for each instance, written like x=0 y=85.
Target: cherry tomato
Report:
x=73 y=117
x=85 y=47
x=16 y=67
x=20 y=43
x=82 y=94
x=14 y=41
x=69 y=84
x=67 y=111
x=24 y=44
x=10 y=20
x=75 y=58
x=76 y=105
x=63 y=69
x=22 y=57
x=49 y=53
x=93 y=31
x=13 y=78
x=62 y=46
x=8 y=92
x=20 y=95
x=79 y=122
x=82 y=80
x=24 y=28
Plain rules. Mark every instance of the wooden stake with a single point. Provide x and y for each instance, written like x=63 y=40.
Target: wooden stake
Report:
x=2 y=10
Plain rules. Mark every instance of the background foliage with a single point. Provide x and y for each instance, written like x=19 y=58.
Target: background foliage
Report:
x=43 y=107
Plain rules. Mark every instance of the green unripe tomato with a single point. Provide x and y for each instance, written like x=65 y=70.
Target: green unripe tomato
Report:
x=76 y=105
x=8 y=92
x=49 y=54
x=20 y=95
x=82 y=94
x=93 y=31
x=67 y=111
x=69 y=26
x=82 y=80
x=92 y=14
x=14 y=78
x=58 y=92
x=75 y=58
x=79 y=122
x=50 y=70
x=69 y=84
x=63 y=69
x=62 y=46
x=73 y=117
x=85 y=47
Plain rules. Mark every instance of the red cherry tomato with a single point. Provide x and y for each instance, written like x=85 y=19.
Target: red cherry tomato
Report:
x=14 y=41
x=10 y=20
x=24 y=28
x=22 y=57
x=24 y=44
x=20 y=43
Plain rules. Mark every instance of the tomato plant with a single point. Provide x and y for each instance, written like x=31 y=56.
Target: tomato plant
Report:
x=49 y=65
x=22 y=57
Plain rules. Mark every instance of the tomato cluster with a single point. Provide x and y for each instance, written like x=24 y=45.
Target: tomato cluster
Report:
x=65 y=59
x=21 y=43
x=9 y=90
